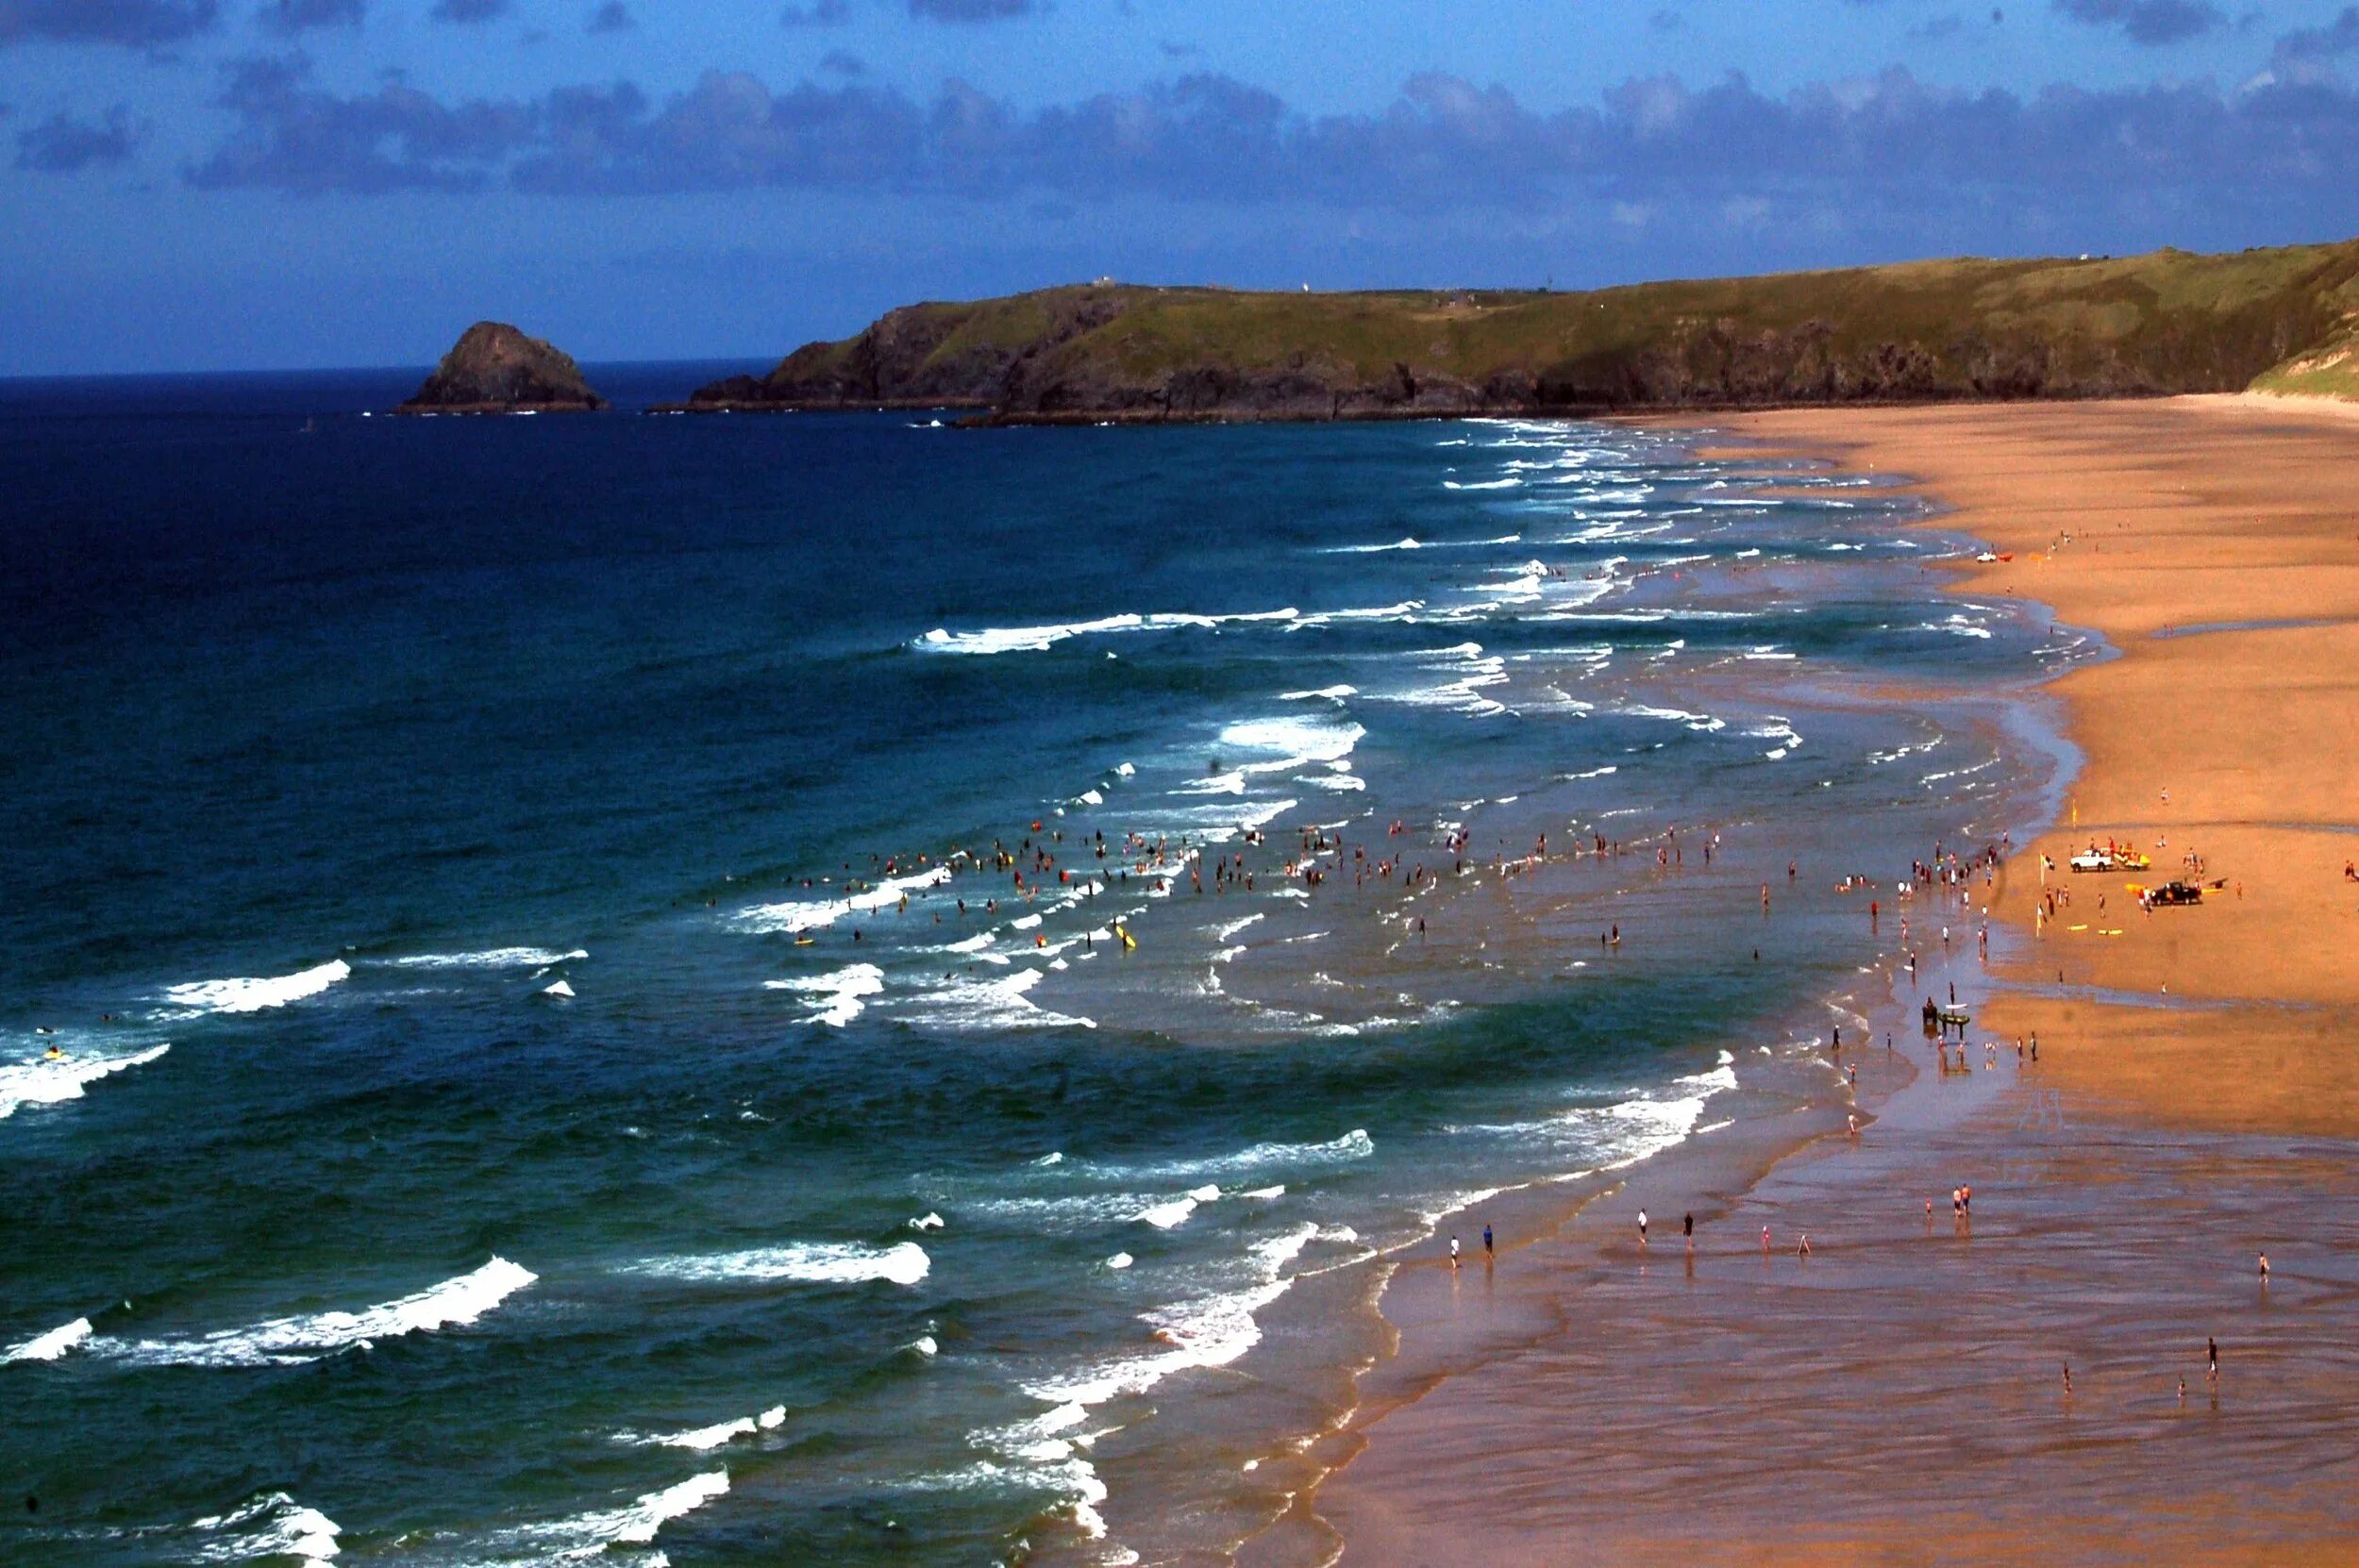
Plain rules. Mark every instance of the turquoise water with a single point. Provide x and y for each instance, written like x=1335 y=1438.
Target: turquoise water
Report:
x=588 y=954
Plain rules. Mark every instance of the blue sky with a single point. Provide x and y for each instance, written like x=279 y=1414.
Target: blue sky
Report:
x=231 y=184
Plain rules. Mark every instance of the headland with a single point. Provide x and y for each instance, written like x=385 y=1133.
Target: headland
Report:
x=2170 y=322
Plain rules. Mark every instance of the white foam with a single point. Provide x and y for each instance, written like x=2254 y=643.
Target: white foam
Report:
x=793 y=915
x=803 y=1263
x=1072 y=1213
x=253 y=996
x=1412 y=543
x=1120 y=1261
x=1613 y=1137
x=837 y=996
x=1704 y=721
x=587 y=1536
x=1332 y=694
x=924 y=1344
x=704 y=1439
x=54 y=1082
x=1297 y=740
x=929 y=1221
x=278 y=1526
x=1173 y=1212
x=1222 y=933
x=997 y=639
x=1472 y=671
x=1406 y=609
x=1355 y=1145
x=49 y=1346
x=1209 y=1331
x=491 y=958
x=451 y=1304
x=995 y=1004
x=558 y=988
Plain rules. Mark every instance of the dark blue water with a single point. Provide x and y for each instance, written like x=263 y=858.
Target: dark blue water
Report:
x=690 y=986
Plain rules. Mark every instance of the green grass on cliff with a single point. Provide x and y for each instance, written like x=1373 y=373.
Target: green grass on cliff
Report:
x=2168 y=321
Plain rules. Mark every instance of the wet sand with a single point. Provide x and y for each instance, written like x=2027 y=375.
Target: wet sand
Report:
x=1898 y=1397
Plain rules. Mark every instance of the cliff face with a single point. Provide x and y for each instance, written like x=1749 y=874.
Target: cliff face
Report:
x=2166 y=322
x=495 y=369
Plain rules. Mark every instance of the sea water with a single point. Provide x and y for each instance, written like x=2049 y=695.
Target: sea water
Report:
x=714 y=990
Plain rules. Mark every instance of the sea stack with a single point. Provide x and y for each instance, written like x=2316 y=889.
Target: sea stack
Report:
x=495 y=369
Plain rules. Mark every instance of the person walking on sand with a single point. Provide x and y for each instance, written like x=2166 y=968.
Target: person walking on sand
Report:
x=1803 y=1251
x=2265 y=1270
x=1486 y=1240
x=2211 y=1359
x=1764 y=1240
x=1689 y=1225
x=2067 y=1379
x=1453 y=1254
x=1642 y=1228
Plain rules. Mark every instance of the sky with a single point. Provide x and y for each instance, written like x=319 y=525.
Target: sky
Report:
x=281 y=184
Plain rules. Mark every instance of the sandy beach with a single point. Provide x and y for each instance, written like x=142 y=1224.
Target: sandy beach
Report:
x=1899 y=1396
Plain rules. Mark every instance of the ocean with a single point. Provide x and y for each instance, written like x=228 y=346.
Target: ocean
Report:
x=835 y=988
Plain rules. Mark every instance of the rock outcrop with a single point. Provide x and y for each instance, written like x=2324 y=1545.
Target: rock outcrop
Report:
x=495 y=369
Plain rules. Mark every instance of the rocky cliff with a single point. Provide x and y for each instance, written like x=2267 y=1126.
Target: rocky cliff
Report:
x=495 y=369
x=2169 y=322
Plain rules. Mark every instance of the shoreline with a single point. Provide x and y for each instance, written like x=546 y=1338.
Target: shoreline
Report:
x=1467 y=1431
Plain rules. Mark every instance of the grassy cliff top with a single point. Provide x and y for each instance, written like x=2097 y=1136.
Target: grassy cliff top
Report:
x=2168 y=321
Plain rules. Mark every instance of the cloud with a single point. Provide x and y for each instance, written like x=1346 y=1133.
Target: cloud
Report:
x=2146 y=22
x=2314 y=46
x=819 y=13
x=840 y=63
x=470 y=12
x=1888 y=152
x=63 y=144
x=131 y=24
x=612 y=17
x=290 y=17
x=299 y=138
x=974 y=10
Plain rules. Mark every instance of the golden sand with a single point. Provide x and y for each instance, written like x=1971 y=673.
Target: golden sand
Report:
x=1897 y=1396
x=2151 y=522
